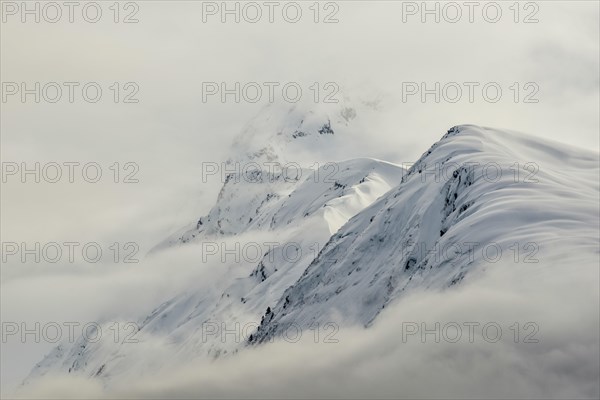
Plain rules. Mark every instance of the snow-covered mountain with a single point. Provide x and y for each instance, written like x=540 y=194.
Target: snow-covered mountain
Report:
x=279 y=217
x=477 y=197
x=299 y=150
x=348 y=240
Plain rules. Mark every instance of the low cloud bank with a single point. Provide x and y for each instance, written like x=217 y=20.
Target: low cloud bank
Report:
x=553 y=352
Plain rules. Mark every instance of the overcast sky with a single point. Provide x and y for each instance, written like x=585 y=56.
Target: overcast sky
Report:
x=168 y=54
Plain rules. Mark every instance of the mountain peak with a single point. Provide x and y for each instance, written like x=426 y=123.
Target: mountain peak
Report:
x=303 y=133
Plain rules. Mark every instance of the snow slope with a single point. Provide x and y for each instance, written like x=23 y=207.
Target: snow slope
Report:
x=281 y=149
x=478 y=196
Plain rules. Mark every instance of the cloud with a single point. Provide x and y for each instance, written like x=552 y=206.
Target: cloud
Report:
x=555 y=356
